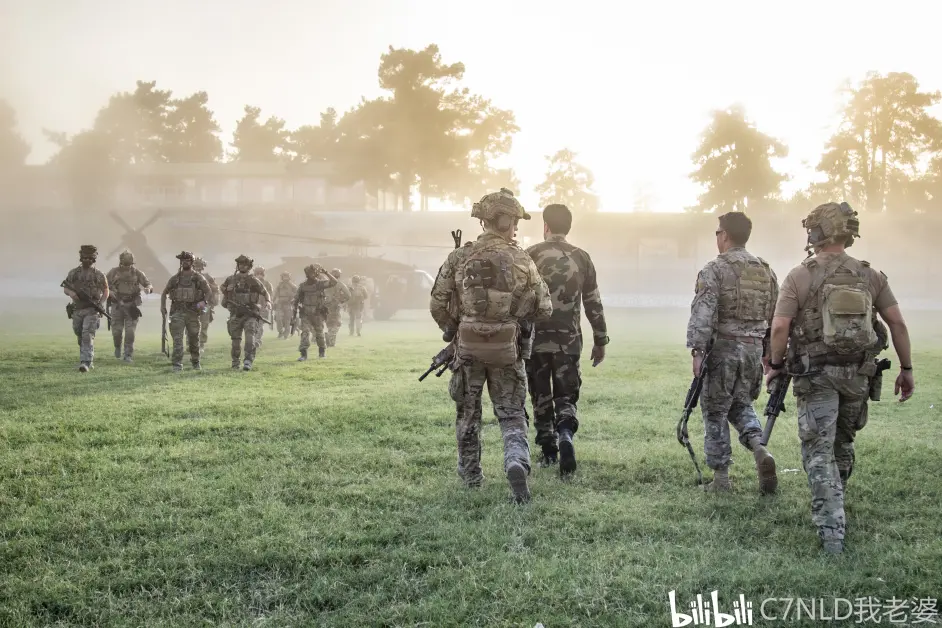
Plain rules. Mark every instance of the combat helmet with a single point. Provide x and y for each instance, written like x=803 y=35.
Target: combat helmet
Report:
x=335 y=272
x=830 y=223
x=199 y=263
x=357 y=279
x=499 y=203
x=88 y=250
x=312 y=269
x=185 y=255
x=126 y=258
x=285 y=275
x=259 y=270
x=242 y=259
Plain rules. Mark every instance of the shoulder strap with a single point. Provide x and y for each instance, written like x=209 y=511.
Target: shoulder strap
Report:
x=829 y=271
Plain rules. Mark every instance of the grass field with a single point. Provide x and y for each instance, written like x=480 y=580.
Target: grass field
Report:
x=325 y=493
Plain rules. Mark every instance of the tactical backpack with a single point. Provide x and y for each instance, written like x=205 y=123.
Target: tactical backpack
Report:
x=750 y=299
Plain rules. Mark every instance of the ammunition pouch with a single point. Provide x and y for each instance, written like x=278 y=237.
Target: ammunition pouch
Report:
x=876 y=386
x=70 y=310
x=491 y=344
x=135 y=312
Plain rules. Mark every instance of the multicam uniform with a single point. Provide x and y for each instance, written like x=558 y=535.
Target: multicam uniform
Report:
x=243 y=295
x=312 y=301
x=266 y=310
x=553 y=368
x=207 y=316
x=735 y=296
x=482 y=292
x=337 y=295
x=85 y=319
x=357 y=303
x=126 y=282
x=188 y=292
x=284 y=310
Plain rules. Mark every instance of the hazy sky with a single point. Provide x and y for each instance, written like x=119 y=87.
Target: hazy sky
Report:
x=628 y=85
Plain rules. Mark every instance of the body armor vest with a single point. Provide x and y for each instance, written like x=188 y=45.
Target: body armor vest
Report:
x=186 y=290
x=243 y=290
x=312 y=295
x=88 y=281
x=126 y=283
x=285 y=291
x=750 y=297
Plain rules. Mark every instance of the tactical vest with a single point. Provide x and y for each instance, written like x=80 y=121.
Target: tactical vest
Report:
x=358 y=296
x=285 y=291
x=750 y=297
x=89 y=282
x=126 y=282
x=187 y=290
x=838 y=324
x=312 y=295
x=242 y=289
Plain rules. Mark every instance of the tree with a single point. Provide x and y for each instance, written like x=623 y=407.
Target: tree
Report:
x=133 y=124
x=192 y=133
x=734 y=164
x=257 y=141
x=88 y=162
x=569 y=183
x=316 y=143
x=13 y=148
x=877 y=155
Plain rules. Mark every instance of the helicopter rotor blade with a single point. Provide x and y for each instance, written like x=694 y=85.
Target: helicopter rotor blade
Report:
x=120 y=247
x=151 y=220
x=118 y=219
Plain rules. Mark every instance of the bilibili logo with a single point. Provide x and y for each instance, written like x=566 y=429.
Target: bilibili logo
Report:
x=708 y=612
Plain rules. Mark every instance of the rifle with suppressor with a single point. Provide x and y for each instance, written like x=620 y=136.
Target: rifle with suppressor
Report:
x=693 y=398
x=87 y=301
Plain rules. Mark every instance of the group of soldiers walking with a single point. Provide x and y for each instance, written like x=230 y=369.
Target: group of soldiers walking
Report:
x=512 y=318
x=194 y=295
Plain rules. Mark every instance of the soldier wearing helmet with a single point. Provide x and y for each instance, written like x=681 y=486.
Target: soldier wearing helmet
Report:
x=126 y=283
x=359 y=295
x=482 y=294
x=826 y=318
x=208 y=315
x=267 y=311
x=283 y=296
x=245 y=297
x=337 y=295
x=85 y=318
x=311 y=304
x=189 y=293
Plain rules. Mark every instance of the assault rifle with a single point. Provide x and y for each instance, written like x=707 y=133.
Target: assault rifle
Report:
x=163 y=336
x=244 y=309
x=86 y=300
x=693 y=398
x=441 y=361
x=295 y=321
x=109 y=311
x=778 y=388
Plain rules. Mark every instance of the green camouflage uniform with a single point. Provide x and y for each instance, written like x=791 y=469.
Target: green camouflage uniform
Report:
x=553 y=371
x=186 y=290
x=267 y=312
x=336 y=296
x=245 y=290
x=312 y=300
x=358 y=297
x=734 y=298
x=85 y=319
x=125 y=283
x=284 y=310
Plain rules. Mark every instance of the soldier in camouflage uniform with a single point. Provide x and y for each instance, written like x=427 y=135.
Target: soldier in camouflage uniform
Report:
x=245 y=297
x=311 y=299
x=732 y=310
x=482 y=293
x=268 y=310
x=284 y=308
x=190 y=294
x=337 y=296
x=832 y=358
x=206 y=317
x=553 y=368
x=126 y=283
x=85 y=318
x=358 y=297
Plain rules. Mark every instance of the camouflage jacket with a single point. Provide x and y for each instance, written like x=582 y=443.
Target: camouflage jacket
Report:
x=126 y=283
x=722 y=290
x=284 y=293
x=90 y=280
x=337 y=295
x=186 y=289
x=268 y=289
x=213 y=298
x=312 y=294
x=570 y=276
x=443 y=304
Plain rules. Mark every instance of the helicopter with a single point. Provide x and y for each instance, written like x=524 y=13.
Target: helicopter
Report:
x=144 y=257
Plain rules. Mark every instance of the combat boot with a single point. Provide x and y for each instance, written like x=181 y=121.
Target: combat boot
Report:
x=197 y=366
x=83 y=368
x=117 y=352
x=177 y=368
x=765 y=466
x=320 y=352
x=246 y=366
x=517 y=476
x=833 y=546
x=303 y=355
x=235 y=365
x=549 y=457
x=128 y=359
x=720 y=483
x=567 y=453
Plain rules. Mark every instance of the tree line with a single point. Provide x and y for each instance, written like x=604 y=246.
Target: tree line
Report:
x=426 y=134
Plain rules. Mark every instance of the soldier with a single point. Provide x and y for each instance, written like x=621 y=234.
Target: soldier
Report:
x=553 y=373
x=358 y=297
x=126 y=282
x=267 y=311
x=189 y=293
x=337 y=296
x=732 y=310
x=832 y=357
x=206 y=317
x=85 y=317
x=284 y=310
x=312 y=301
x=245 y=297
x=483 y=292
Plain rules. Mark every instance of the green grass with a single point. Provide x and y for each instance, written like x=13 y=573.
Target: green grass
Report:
x=325 y=493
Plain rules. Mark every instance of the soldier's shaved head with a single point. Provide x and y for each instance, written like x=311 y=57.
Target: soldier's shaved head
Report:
x=558 y=218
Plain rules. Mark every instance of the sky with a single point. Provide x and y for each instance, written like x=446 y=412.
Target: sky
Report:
x=629 y=86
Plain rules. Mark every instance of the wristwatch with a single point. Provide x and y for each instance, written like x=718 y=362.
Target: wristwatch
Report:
x=601 y=343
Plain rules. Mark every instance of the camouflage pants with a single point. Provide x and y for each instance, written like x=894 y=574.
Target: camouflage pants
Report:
x=260 y=327
x=85 y=323
x=237 y=325
x=312 y=323
x=507 y=388
x=205 y=319
x=554 y=380
x=122 y=323
x=831 y=410
x=334 y=323
x=283 y=316
x=732 y=383
x=185 y=322
x=356 y=319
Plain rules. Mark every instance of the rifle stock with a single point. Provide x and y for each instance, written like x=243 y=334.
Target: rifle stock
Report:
x=693 y=398
x=163 y=337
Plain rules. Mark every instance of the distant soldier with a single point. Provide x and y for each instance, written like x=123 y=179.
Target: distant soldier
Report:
x=189 y=293
x=245 y=297
x=267 y=310
x=337 y=296
x=311 y=299
x=126 y=283
x=826 y=315
x=357 y=303
x=482 y=293
x=553 y=371
x=284 y=298
x=208 y=314
x=85 y=317
x=732 y=309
